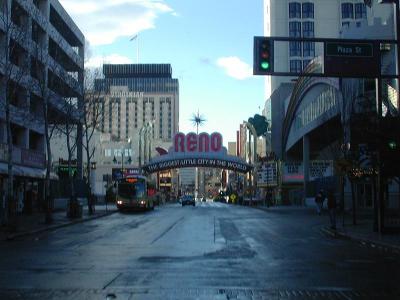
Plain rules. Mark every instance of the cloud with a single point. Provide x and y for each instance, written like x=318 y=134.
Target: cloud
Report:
x=102 y=22
x=97 y=61
x=235 y=68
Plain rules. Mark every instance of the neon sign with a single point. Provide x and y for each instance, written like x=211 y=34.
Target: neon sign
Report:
x=202 y=142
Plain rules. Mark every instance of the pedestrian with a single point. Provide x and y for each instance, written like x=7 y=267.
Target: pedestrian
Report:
x=332 y=209
x=319 y=201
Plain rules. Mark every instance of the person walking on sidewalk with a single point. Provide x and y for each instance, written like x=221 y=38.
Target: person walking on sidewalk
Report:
x=332 y=209
x=319 y=201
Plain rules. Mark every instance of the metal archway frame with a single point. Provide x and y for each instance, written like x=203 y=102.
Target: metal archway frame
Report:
x=227 y=162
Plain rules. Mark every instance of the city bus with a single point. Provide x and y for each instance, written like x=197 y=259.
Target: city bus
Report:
x=134 y=193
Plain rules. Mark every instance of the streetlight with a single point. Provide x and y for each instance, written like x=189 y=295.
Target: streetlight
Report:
x=129 y=161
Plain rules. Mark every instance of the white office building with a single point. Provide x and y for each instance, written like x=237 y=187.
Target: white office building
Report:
x=311 y=18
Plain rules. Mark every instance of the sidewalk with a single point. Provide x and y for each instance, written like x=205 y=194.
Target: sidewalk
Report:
x=32 y=224
x=362 y=232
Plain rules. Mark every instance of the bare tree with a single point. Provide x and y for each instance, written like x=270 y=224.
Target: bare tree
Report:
x=14 y=68
x=92 y=118
x=68 y=129
x=40 y=64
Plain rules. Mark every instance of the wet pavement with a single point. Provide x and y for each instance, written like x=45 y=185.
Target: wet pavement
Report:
x=211 y=251
x=35 y=222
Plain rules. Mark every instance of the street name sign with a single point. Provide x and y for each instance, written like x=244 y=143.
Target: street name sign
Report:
x=341 y=49
x=351 y=59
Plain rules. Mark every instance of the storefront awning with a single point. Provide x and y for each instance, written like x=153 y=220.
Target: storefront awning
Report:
x=28 y=172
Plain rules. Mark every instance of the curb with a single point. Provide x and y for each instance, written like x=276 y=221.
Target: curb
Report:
x=54 y=227
x=363 y=241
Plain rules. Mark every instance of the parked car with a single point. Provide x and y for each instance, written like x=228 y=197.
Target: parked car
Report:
x=188 y=200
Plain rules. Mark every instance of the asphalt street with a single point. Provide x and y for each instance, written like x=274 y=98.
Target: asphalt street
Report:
x=211 y=251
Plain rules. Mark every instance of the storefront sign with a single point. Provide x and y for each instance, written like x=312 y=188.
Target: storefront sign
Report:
x=267 y=175
x=320 y=169
x=293 y=172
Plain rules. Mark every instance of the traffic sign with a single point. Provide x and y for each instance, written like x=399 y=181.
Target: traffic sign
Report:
x=344 y=58
x=352 y=59
x=344 y=49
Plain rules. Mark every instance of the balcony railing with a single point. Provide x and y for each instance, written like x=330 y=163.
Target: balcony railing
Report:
x=25 y=157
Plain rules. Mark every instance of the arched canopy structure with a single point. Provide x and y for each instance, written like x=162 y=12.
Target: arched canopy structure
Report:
x=197 y=150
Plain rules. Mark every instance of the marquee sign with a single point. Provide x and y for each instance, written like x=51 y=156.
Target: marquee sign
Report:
x=197 y=150
x=293 y=172
x=198 y=143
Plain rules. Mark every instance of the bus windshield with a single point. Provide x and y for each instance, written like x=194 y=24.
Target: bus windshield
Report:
x=132 y=190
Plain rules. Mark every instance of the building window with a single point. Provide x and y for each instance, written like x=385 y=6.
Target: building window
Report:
x=347 y=11
x=308 y=10
x=295 y=66
x=295 y=48
x=110 y=117
x=309 y=49
x=107 y=152
x=117 y=152
x=346 y=24
x=360 y=11
x=294 y=29
x=294 y=10
x=308 y=29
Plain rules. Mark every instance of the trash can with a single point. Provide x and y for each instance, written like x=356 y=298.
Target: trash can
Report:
x=79 y=209
x=75 y=209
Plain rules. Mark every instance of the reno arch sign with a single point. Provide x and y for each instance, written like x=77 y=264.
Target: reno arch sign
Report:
x=197 y=150
x=198 y=143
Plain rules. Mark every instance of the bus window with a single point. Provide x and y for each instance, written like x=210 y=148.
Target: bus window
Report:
x=132 y=190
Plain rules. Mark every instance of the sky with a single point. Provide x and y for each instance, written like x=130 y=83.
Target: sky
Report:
x=209 y=44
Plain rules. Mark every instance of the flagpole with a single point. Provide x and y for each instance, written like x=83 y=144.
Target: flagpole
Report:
x=137 y=49
x=136 y=37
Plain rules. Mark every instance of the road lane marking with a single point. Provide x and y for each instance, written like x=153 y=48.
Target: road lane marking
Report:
x=166 y=231
x=112 y=280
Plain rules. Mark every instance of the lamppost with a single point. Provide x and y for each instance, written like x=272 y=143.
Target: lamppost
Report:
x=129 y=161
x=123 y=152
x=252 y=158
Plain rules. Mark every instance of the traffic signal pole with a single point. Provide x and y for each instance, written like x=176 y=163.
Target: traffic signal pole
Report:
x=379 y=207
x=397 y=8
x=342 y=58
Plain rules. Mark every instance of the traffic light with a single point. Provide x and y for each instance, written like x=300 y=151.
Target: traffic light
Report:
x=263 y=56
x=390 y=146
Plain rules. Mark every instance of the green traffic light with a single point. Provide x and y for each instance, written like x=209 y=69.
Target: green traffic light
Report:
x=265 y=65
x=392 y=145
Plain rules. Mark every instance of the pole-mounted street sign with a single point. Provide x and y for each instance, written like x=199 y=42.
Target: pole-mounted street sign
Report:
x=341 y=49
x=354 y=58
x=347 y=59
